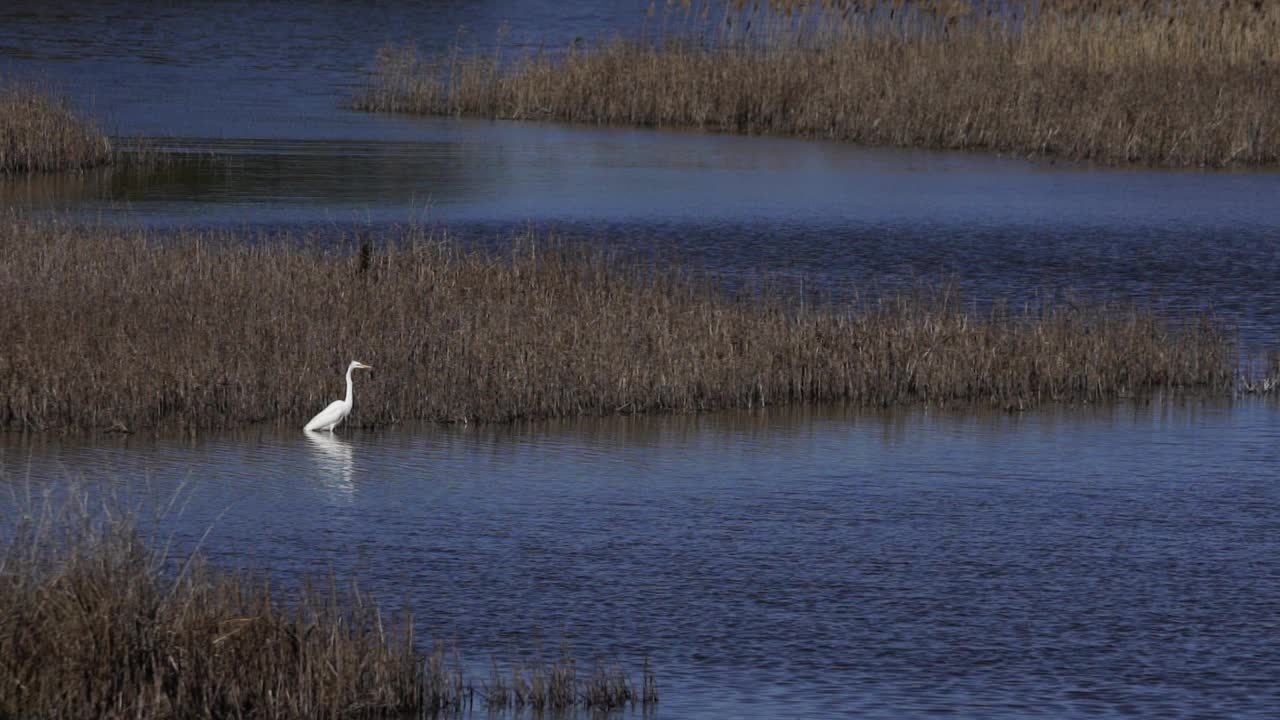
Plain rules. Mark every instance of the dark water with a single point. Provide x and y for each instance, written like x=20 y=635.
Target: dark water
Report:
x=271 y=69
x=1111 y=561
x=1106 y=562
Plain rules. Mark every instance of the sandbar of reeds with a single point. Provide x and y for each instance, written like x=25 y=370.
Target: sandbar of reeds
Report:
x=40 y=132
x=117 y=327
x=95 y=622
x=1173 y=83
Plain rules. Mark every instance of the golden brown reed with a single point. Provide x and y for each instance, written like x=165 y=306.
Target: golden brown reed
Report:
x=40 y=132
x=1178 y=83
x=95 y=624
x=112 y=328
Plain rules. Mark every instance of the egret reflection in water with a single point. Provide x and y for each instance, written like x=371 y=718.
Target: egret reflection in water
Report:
x=335 y=462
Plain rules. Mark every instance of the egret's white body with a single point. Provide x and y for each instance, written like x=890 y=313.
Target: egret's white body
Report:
x=338 y=410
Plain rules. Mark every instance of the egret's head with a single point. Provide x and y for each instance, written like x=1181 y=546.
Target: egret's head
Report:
x=357 y=365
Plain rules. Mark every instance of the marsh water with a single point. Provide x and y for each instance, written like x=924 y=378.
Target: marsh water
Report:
x=1101 y=561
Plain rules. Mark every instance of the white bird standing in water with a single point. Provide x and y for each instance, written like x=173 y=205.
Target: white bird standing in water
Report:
x=338 y=410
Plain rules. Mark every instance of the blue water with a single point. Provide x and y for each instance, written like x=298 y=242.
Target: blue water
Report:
x=1109 y=561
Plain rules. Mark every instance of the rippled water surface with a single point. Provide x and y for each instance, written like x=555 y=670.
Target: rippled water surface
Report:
x=1112 y=561
x=1104 y=562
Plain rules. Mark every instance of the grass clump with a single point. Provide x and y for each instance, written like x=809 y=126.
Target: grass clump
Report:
x=95 y=624
x=1264 y=378
x=117 y=328
x=542 y=686
x=39 y=132
x=1176 y=83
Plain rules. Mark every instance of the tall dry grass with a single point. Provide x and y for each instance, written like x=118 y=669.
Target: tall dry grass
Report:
x=97 y=622
x=94 y=623
x=40 y=132
x=1174 y=82
x=115 y=328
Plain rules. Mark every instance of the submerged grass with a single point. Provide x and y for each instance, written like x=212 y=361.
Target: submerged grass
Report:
x=40 y=132
x=96 y=623
x=1177 y=83
x=1264 y=377
x=540 y=686
x=117 y=328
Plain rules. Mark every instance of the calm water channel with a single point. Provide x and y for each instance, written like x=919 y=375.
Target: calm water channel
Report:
x=1102 y=562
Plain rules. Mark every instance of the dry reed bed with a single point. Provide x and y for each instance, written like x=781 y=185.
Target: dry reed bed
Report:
x=112 y=328
x=1177 y=83
x=40 y=132
x=92 y=626
x=94 y=623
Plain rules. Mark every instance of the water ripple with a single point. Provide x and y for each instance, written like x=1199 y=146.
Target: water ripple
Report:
x=1114 y=561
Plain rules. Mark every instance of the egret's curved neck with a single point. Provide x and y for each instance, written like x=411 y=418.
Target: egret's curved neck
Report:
x=349 y=384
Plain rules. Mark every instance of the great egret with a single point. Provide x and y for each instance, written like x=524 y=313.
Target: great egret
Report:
x=338 y=410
